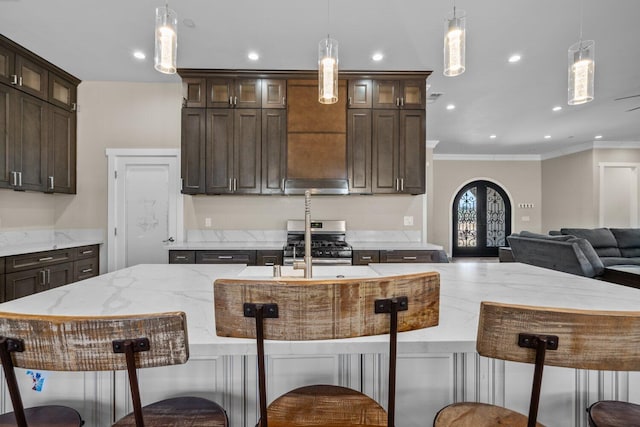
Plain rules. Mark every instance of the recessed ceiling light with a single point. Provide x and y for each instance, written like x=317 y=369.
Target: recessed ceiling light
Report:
x=598 y=137
x=377 y=56
x=493 y=136
x=557 y=108
x=514 y=58
x=547 y=137
x=138 y=54
x=451 y=107
x=253 y=56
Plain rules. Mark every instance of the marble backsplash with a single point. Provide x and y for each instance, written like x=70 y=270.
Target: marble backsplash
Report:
x=199 y=235
x=29 y=237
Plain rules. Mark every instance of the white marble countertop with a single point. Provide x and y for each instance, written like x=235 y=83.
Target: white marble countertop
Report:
x=213 y=245
x=394 y=246
x=27 y=248
x=189 y=288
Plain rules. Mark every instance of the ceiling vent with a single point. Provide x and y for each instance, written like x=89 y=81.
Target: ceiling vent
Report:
x=433 y=97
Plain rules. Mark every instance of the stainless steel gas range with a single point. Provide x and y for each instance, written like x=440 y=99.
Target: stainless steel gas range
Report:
x=328 y=245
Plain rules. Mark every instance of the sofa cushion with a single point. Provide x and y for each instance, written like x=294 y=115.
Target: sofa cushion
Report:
x=531 y=235
x=611 y=260
x=602 y=240
x=628 y=241
x=590 y=254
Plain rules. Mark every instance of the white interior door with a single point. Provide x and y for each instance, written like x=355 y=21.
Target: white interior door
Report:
x=618 y=195
x=145 y=206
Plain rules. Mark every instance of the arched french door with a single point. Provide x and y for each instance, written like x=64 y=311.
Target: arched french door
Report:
x=481 y=220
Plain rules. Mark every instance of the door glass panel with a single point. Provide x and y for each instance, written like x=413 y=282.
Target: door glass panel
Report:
x=61 y=93
x=31 y=78
x=220 y=92
x=193 y=92
x=273 y=93
x=467 y=219
x=412 y=95
x=248 y=92
x=495 y=219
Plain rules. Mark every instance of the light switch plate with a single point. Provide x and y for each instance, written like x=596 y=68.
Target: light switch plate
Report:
x=408 y=220
x=207 y=222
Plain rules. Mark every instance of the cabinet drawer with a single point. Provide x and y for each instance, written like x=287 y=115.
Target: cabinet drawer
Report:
x=1 y=266
x=269 y=257
x=85 y=268
x=365 y=257
x=182 y=257
x=226 y=257
x=427 y=256
x=90 y=251
x=38 y=259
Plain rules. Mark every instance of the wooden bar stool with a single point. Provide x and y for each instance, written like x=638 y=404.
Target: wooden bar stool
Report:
x=79 y=343
x=328 y=309
x=579 y=339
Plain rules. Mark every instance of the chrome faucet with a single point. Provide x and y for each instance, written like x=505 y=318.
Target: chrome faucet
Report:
x=306 y=263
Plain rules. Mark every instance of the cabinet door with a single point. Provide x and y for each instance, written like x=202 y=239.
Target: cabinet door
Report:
x=274 y=93
x=61 y=176
x=248 y=93
x=219 y=151
x=23 y=283
x=359 y=150
x=7 y=102
x=274 y=150
x=194 y=125
x=85 y=268
x=182 y=257
x=384 y=154
x=269 y=257
x=360 y=95
x=32 y=77
x=413 y=94
x=62 y=92
x=247 y=151
x=30 y=155
x=409 y=256
x=220 y=93
x=194 y=92
x=365 y=257
x=59 y=275
x=412 y=151
x=226 y=257
x=386 y=94
x=7 y=66
x=3 y=297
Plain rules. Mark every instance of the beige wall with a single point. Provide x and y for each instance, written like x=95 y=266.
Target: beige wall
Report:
x=520 y=179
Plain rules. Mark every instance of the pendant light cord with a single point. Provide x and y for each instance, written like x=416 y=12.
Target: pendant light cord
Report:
x=328 y=19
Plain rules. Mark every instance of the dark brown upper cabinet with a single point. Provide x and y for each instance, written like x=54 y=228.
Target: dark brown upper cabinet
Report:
x=402 y=94
x=359 y=150
x=234 y=93
x=360 y=94
x=274 y=150
x=37 y=122
x=274 y=93
x=192 y=156
x=194 y=92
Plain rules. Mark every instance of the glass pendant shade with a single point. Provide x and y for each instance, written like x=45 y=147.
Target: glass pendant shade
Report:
x=328 y=71
x=166 y=40
x=454 y=44
x=581 y=72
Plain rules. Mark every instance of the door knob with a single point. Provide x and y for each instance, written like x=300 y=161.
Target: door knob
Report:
x=170 y=239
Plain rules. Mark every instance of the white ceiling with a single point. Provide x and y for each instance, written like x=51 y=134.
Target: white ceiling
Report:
x=94 y=41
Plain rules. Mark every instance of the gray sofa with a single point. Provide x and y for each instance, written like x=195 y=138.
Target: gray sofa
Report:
x=581 y=251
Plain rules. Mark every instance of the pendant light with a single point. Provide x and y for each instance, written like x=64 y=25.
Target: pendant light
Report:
x=454 y=43
x=581 y=70
x=166 y=40
x=328 y=69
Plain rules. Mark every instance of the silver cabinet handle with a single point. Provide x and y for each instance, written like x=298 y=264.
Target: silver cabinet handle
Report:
x=19 y=179
x=230 y=184
x=14 y=79
x=14 y=178
x=20 y=81
x=349 y=100
x=282 y=184
x=401 y=184
x=397 y=102
x=225 y=256
x=409 y=258
x=87 y=252
x=48 y=276
x=284 y=100
x=181 y=257
x=74 y=106
x=50 y=183
x=235 y=100
x=235 y=184
x=402 y=102
x=365 y=258
x=397 y=184
x=47 y=258
x=231 y=100
x=87 y=270
x=269 y=264
x=43 y=277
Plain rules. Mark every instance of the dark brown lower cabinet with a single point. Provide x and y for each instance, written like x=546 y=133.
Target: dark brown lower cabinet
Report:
x=364 y=257
x=28 y=274
x=249 y=257
x=226 y=257
x=269 y=257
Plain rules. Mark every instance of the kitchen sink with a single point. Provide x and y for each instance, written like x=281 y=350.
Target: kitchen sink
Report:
x=319 y=272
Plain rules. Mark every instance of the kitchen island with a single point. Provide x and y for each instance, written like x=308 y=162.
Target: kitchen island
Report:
x=436 y=366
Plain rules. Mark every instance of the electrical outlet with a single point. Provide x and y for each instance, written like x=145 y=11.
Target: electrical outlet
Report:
x=408 y=220
x=207 y=222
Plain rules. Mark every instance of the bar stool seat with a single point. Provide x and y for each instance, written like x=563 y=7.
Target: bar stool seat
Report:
x=179 y=411
x=325 y=405
x=45 y=416
x=613 y=413
x=472 y=414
